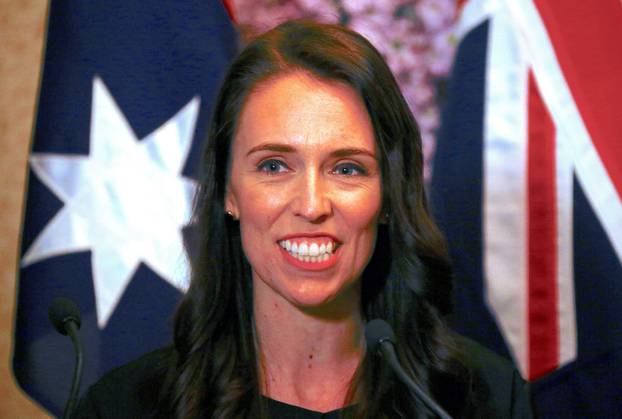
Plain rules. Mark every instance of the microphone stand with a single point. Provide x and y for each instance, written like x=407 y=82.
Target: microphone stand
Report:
x=65 y=317
x=386 y=346
x=72 y=331
x=379 y=337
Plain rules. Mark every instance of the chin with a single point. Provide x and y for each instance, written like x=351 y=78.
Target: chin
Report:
x=333 y=304
x=312 y=301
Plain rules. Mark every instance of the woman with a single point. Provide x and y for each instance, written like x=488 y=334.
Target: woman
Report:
x=313 y=221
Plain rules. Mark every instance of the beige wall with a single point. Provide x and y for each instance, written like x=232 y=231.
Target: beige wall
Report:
x=21 y=41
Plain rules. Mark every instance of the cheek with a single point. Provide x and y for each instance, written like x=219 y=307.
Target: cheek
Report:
x=361 y=208
x=361 y=212
x=258 y=211
x=256 y=243
x=259 y=205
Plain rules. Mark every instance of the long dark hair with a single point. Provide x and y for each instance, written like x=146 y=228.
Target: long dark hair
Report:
x=214 y=372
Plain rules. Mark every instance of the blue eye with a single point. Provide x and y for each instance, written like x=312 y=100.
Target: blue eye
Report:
x=349 y=169
x=272 y=166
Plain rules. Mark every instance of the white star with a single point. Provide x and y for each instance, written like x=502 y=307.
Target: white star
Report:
x=126 y=201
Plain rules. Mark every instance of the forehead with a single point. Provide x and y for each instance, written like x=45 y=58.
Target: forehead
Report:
x=303 y=110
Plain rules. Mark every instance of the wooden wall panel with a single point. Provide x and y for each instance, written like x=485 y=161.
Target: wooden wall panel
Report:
x=22 y=25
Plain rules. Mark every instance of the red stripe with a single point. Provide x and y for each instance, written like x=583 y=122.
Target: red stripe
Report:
x=229 y=7
x=587 y=37
x=543 y=326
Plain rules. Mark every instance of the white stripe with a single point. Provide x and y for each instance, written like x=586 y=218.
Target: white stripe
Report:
x=565 y=272
x=590 y=170
x=505 y=193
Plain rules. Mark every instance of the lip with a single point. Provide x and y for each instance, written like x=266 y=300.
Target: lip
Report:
x=311 y=266
x=309 y=235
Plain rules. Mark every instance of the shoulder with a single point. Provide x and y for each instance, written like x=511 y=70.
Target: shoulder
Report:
x=128 y=391
x=495 y=386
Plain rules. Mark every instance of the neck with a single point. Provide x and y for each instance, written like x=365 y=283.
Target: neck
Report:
x=308 y=356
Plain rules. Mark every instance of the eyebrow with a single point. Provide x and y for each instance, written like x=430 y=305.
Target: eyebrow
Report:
x=352 y=151
x=284 y=148
x=281 y=148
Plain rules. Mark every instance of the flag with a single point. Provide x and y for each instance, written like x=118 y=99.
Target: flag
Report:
x=126 y=94
x=527 y=186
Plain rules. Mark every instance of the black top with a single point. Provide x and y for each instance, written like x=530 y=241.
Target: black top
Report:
x=131 y=391
x=278 y=409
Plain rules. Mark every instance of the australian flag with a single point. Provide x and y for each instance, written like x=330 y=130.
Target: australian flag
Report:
x=527 y=186
x=125 y=98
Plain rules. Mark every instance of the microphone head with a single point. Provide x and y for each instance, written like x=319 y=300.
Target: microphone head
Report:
x=376 y=332
x=61 y=311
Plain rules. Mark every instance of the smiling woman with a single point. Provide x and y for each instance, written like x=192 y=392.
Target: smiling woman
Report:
x=313 y=220
x=304 y=171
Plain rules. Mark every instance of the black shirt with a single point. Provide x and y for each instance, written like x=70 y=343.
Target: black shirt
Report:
x=278 y=409
x=131 y=391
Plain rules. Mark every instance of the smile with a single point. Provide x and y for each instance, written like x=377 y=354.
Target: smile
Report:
x=309 y=251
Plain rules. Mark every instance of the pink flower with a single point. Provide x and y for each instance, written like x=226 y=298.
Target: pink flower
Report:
x=262 y=18
x=435 y=14
x=322 y=10
x=371 y=30
x=360 y=7
x=441 y=53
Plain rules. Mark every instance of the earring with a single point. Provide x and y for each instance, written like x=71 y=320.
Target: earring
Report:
x=230 y=214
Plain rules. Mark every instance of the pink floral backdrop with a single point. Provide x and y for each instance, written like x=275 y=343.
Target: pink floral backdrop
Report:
x=414 y=36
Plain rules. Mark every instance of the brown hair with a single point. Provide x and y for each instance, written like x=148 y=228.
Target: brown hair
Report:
x=407 y=281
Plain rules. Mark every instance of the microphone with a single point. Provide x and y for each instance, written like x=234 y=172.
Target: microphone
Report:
x=65 y=316
x=380 y=338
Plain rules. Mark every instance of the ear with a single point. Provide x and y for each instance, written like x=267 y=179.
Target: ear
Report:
x=231 y=204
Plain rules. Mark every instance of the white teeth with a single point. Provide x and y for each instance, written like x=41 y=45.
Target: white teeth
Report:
x=306 y=252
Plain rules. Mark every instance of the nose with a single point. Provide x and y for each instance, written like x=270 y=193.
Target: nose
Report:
x=311 y=200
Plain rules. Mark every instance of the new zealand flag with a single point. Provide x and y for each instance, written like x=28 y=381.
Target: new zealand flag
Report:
x=527 y=186
x=125 y=98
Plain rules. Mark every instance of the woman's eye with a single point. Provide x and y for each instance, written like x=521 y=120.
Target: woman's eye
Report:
x=349 y=169
x=272 y=166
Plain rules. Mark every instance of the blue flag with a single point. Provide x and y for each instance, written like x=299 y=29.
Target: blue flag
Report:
x=125 y=99
x=527 y=192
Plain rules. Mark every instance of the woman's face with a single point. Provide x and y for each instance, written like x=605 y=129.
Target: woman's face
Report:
x=305 y=184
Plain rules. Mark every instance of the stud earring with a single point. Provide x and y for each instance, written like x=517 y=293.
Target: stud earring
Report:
x=230 y=214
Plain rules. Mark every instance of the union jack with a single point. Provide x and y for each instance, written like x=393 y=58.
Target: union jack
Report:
x=527 y=185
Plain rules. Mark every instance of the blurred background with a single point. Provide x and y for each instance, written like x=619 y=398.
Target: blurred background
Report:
x=517 y=104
